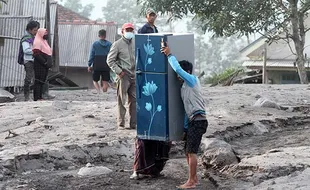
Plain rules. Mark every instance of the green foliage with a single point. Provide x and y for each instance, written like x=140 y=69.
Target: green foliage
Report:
x=2 y=1
x=216 y=54
x=74 y=5
x=220 y=77
x=227 y=17
x=87 y=9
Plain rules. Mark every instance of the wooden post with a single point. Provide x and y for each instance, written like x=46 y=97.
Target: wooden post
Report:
x=265 y=78
x=48 y=20
x=56 y=45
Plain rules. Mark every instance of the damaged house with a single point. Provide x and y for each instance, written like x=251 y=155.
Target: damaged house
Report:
x=280 y=61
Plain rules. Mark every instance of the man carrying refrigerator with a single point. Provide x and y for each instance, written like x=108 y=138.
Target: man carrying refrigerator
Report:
x=150 y=155
x=121 y=60
x=194 y=106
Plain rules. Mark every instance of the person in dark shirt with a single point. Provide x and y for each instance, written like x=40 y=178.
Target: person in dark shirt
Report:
x=149 y=27
x=42 y=54
x=98 y=61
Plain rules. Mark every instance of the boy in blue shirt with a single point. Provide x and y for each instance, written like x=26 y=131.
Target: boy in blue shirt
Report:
x=98 y=62
x=194 y=106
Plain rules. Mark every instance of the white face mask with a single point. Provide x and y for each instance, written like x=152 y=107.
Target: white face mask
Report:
x=129 y=35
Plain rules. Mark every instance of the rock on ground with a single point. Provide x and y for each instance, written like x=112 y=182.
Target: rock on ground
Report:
x=285 y=157
x=217 y=153
x=94 y=171
x=5 y=96
x=266 y=103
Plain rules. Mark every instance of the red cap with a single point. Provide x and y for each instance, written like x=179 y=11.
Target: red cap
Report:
x=127 y=25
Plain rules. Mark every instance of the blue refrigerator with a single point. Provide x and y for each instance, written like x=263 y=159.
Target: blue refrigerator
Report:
x=160 y=110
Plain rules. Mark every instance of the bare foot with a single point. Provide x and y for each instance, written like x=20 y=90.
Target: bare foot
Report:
x=187 y=185
x=196 y=181
x=104 y=90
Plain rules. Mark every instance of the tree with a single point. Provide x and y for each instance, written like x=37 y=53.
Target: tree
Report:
x=87 y=9
x=216 y=54
x=76 y=6
x=122 y=11
x=275 y=19
x=2 y=1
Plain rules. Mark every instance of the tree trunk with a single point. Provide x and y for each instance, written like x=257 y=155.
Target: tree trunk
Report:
x=300 y=62
x=297 y=20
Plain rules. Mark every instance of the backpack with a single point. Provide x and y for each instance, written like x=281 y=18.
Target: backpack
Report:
x=20 y=58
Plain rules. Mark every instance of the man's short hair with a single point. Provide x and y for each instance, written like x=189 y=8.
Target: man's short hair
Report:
x=102 y=33
x=32 y=24
x=186 y=66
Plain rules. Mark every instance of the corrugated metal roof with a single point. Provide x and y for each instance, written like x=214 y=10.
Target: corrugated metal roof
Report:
x=35 y=8
x=75 y=41
x=15 y=16
x=270 y=63
x=14 y=25
x=9 y=37
x=11 y=73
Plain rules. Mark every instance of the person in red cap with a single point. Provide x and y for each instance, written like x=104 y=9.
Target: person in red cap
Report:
x=121 y=60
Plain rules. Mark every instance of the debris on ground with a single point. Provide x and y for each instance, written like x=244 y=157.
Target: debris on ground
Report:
x=245 y=147
x=5 y=96
x=266 y=103
x=91 y=170
x=89 y=116
x=11 y=135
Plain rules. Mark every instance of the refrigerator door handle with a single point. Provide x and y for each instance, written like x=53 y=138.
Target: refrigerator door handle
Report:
x=139 y=74
x=138 y=59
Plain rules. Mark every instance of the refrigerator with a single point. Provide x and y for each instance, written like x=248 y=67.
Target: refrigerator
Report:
x=160 y=110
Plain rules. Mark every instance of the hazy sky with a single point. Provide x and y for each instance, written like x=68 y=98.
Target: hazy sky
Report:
x=179 y=26
x=97 y=13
